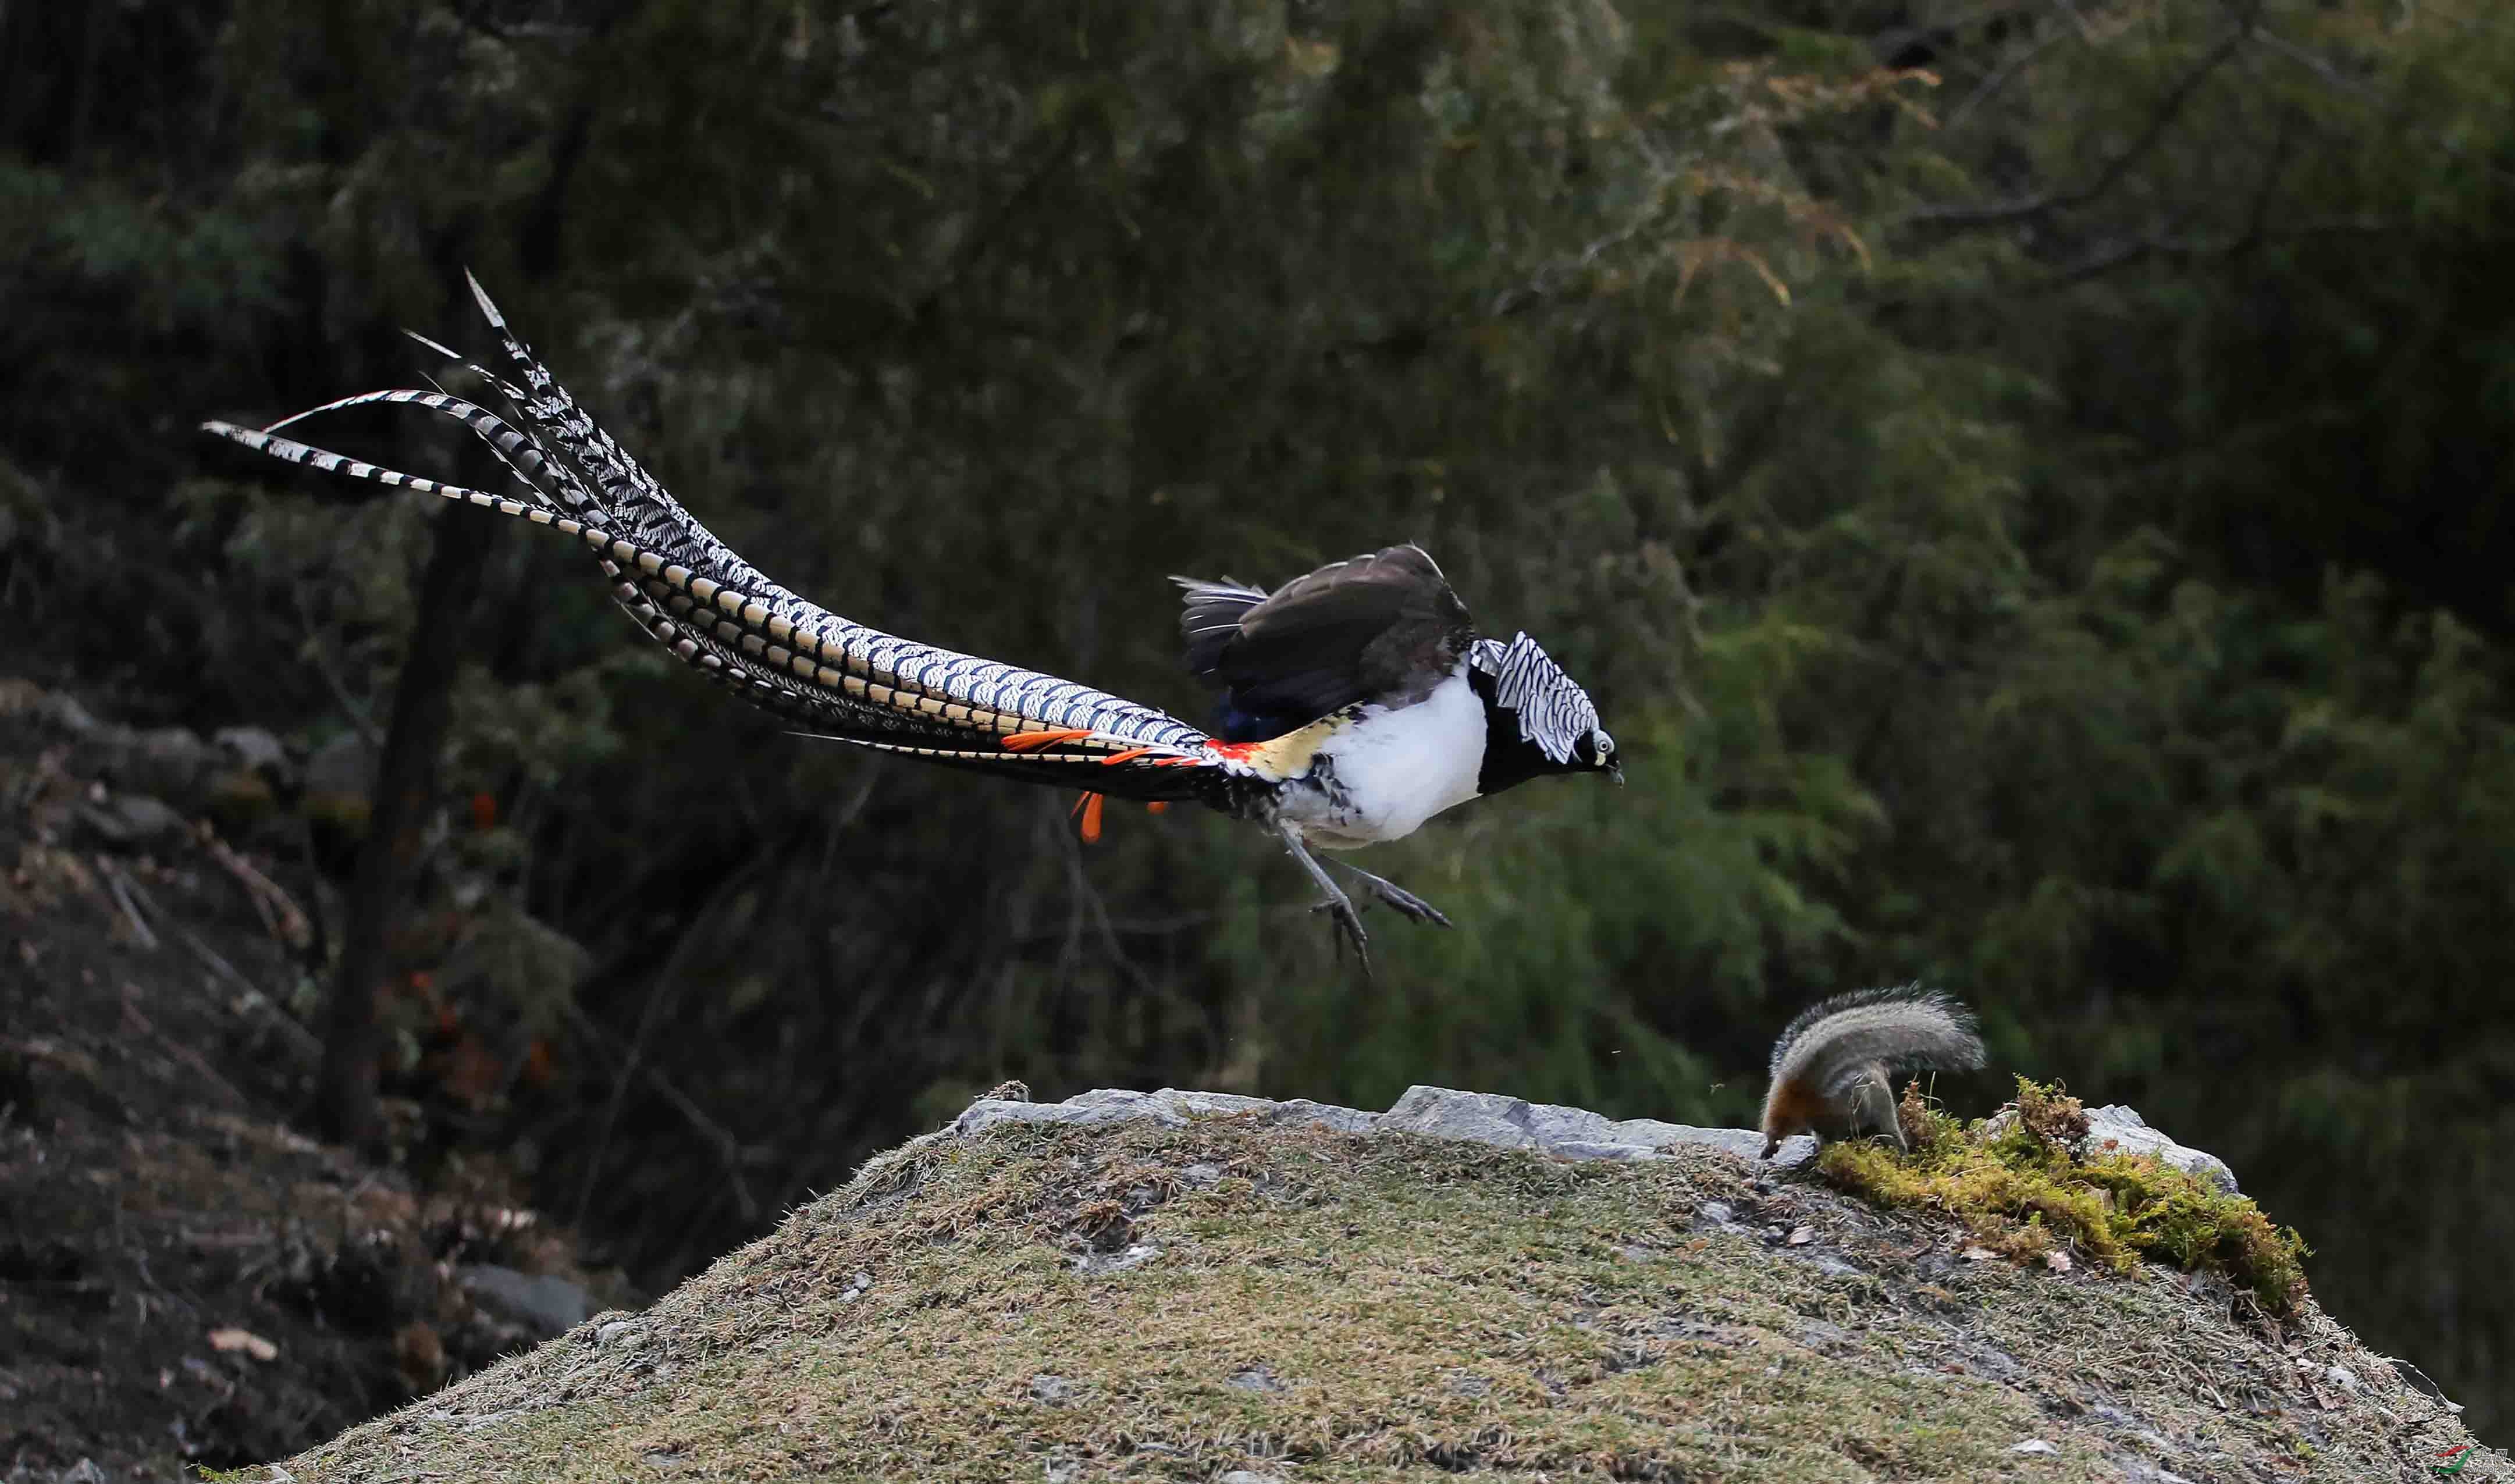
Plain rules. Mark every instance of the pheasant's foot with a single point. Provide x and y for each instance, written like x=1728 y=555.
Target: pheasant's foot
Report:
x=1397 y=896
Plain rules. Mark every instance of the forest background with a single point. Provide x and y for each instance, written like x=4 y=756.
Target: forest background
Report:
x=2026 y=483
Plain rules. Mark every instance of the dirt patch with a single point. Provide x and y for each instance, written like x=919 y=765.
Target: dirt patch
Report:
x=185 y=1280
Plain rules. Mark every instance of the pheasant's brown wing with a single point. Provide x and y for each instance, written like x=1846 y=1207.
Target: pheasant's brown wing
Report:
x=1383 y=627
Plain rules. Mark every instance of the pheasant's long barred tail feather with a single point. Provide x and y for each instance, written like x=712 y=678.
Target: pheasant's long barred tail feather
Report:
x=840 y=680
x=640 y=507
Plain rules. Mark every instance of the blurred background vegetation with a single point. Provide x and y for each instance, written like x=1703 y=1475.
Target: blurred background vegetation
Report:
x=2027 y=484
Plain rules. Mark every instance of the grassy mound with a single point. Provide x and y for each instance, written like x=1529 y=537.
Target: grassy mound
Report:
x=1133 y=1301
x=2017 y=1184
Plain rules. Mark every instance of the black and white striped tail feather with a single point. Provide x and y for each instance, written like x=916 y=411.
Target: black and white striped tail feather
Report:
x=727 y=638
x=750 y=631
x=629 y=501
x=736 y=621
x=531 y=462
x=643 y=511
x=703 y=652
x=712 y=642
x=521 y=454
x=525 y=459
x=1121 y=773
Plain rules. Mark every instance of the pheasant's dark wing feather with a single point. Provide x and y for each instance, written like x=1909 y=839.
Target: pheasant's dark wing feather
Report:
x=1209 y=615
x=1381 y=627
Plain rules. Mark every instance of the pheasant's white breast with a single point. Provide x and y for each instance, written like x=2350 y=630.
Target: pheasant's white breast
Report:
x=1389 y=769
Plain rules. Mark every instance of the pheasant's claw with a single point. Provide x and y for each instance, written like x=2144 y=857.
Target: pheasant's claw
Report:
x=1405 y=901
x=1348 y=927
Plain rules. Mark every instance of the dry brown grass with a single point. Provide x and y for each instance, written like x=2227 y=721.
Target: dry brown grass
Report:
x=1138 y=1302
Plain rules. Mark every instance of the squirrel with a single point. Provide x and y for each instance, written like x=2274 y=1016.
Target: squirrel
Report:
x=1833 y=1064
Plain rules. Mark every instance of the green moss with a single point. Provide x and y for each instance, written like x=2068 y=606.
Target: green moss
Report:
x=2017 y=1183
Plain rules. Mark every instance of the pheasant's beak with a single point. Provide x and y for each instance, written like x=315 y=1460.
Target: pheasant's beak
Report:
x=1616 y=771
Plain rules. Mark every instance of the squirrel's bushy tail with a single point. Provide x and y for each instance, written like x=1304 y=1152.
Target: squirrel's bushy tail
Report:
x=1835 y=1064
x=1905 y=1028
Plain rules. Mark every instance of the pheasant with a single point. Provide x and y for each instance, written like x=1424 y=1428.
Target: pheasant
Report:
x=1355 y=702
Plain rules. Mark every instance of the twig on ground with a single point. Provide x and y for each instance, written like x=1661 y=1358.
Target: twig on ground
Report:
x=280 y=914
x=298 y=1035
x=122 y=890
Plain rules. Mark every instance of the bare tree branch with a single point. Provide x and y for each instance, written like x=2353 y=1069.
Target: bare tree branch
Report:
x=1996 y=212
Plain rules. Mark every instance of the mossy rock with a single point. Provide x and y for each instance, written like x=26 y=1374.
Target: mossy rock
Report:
x=2026 y=1184
x=1182 y=1299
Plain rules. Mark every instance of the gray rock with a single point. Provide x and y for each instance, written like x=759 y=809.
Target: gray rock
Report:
x=256 y=750
x=539 y=1301
x=65 y=712
x=1300 y=1110
x=169 y=762
x=1092 y=1265
x=1249 y=1476
x=2120 y=1128
x=622 y=1332
x=989 y=1112
x=345 y=767
x=1795 y=1150
x=1651 y=1133
x=1106 y=1097
x=1190 y=1105
x=1504 y=1122
x=1053 y=1391
x=133 y=820
x=1485 y=1118
x=1569 y=1133
x=1257 y=1378
x=1170 y=1107
x=1551 y=1123
x=2417 y=1380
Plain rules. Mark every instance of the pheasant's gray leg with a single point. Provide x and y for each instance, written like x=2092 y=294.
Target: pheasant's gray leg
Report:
x=1337 y=905
x=1398 y=896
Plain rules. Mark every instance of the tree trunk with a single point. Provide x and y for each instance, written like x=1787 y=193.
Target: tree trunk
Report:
x=405 y=783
